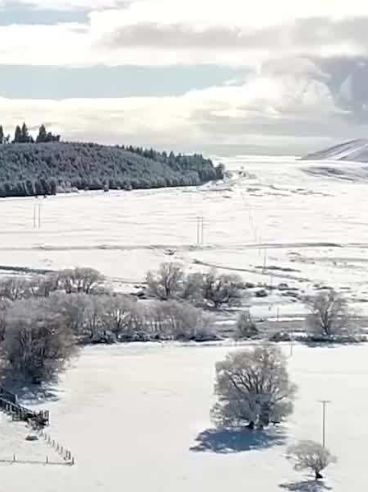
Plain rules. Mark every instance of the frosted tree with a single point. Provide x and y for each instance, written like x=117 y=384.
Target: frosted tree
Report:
x=253 y=388
x=167 y=282
x=329 y=314
x=84 y=280
x=221 y=289
x=312 y=456
x=37 y=341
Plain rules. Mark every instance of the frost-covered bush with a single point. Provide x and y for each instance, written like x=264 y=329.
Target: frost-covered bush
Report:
x=312 y=456
x=245 y=326
x=178 y=321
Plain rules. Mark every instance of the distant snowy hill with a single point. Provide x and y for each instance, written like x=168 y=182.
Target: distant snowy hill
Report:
x=355 y=150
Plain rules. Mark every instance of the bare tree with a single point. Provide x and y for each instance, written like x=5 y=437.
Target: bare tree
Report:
x=37 y=342
x=4 y=306
x=253 y=387
x=79 y=280
x=221 y=289
x=42 y=285
x=329 y=314
x=14 y=288
x=117 y=311
x=73 y=308
x=310 y=455
x=167 y=282
x=245 y=326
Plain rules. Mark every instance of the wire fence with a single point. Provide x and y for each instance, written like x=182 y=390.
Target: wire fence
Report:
x=9 y=405
x=64 y=453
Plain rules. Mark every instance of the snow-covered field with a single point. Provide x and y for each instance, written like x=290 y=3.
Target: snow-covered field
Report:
x=132 y=414
x=278 y=216
x=133 y=417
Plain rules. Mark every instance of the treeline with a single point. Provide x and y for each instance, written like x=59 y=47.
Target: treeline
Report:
x=44 y=318
x=47 y=166
x=22 y=135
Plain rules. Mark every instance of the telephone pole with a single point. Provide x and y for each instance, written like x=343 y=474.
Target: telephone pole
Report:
x=324 y=404
x=37 y=216
x=200 y=230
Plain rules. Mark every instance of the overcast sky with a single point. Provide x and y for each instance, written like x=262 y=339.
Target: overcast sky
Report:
x=222 y=77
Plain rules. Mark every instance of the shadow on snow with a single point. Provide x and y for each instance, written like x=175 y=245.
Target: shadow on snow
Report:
x=305 y=486
x=228 y=441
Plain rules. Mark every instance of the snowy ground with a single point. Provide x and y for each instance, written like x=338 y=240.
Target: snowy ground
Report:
x=281 y=221
x=133 y=415
x=302 y=227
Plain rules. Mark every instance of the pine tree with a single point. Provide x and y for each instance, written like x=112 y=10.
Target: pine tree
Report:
x=42 y=135
x=17 y=135
x=2 y=136
x=26 y=137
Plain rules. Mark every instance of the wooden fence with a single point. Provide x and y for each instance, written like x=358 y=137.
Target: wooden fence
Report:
x=63 y=452
x=8 y=404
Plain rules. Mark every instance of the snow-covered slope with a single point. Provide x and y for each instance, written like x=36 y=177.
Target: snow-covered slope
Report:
x=355 y=150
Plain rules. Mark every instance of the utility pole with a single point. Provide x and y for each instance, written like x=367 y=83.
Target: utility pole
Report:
x=200 y=230
x=34 y=216
x=37 y=216
x=291 y=347
x=324 y=404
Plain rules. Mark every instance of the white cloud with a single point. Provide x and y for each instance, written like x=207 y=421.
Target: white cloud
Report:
x=219 y=115
x=171 y=32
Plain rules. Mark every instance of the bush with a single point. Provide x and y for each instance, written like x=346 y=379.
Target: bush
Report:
x=253 y=388
x=221 y=289
x=280 y=336
x=310 y=455
x=193 y=289
x=177 y=321
x=245 y=326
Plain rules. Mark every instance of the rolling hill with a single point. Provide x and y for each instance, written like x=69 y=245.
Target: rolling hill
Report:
x=354 y=151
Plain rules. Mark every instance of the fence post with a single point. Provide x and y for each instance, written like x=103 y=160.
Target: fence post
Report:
x=14 y=459
x=47 y=459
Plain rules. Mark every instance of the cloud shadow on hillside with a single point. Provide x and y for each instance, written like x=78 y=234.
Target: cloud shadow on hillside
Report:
x=226 y=441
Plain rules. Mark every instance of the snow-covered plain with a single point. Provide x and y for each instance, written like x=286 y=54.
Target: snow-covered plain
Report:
x=132 y=415
x=281 y=215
